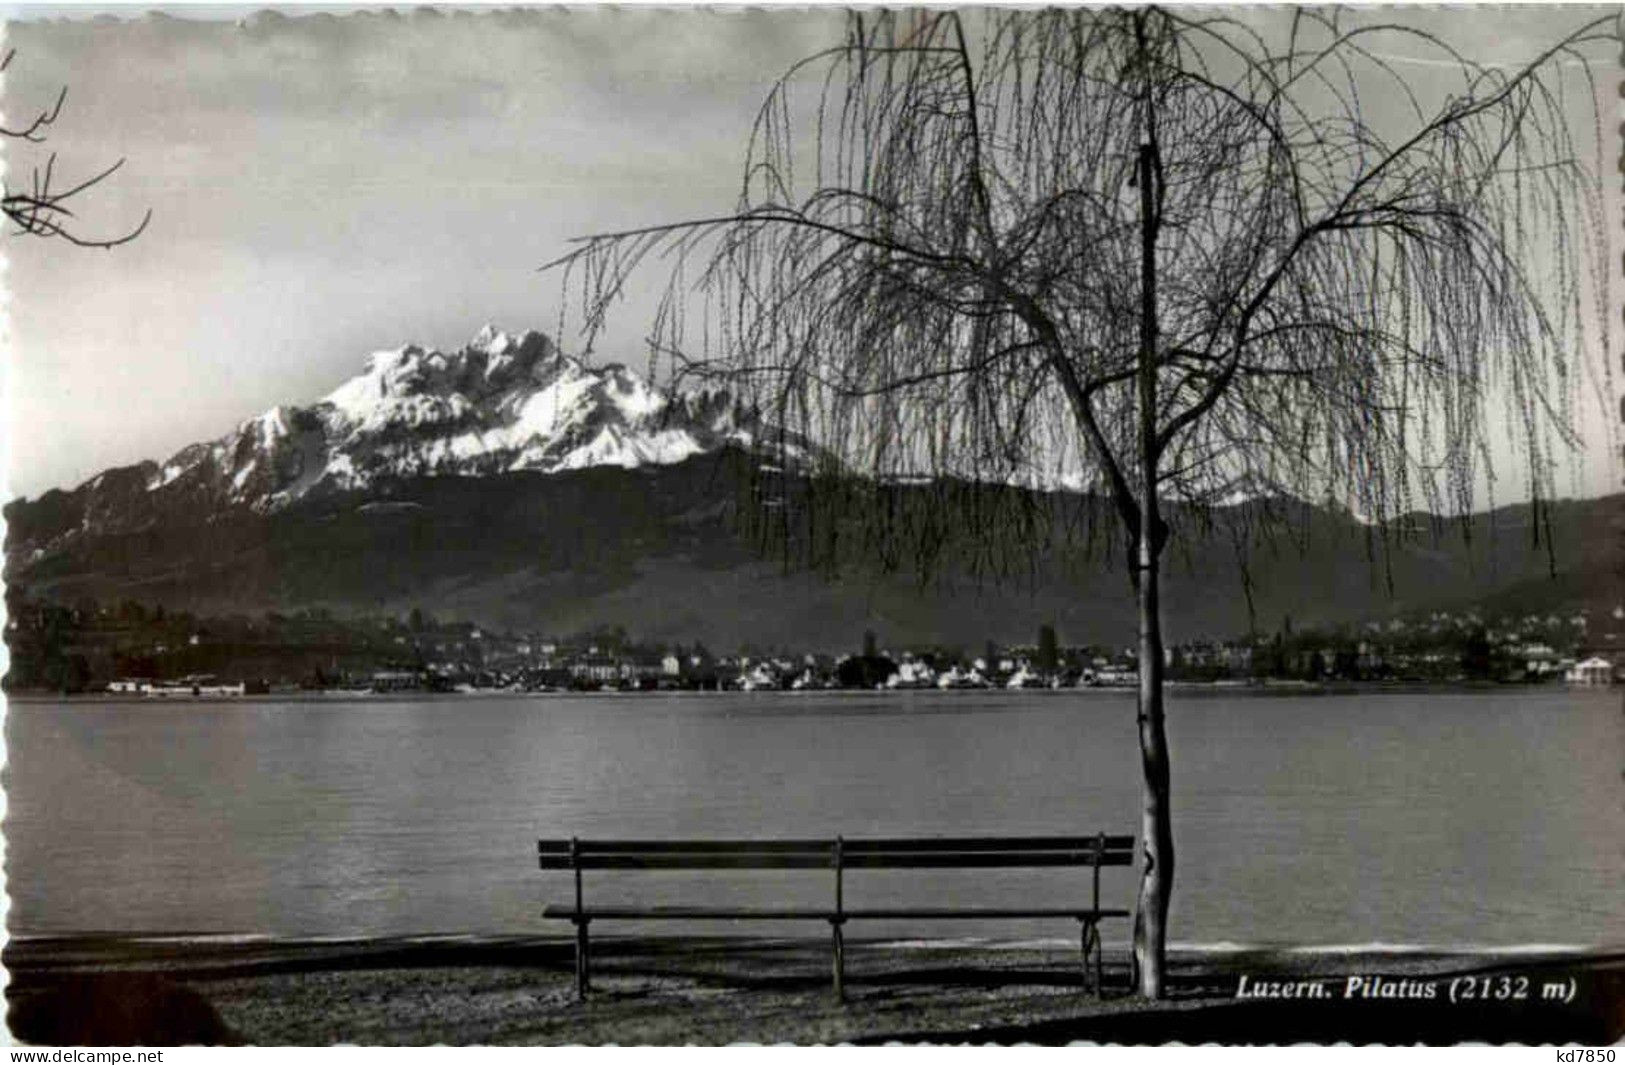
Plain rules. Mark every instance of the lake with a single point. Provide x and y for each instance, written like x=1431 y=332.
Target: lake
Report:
x=1482 y=819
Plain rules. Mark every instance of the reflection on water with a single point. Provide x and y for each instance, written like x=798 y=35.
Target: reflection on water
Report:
x=1445 y=819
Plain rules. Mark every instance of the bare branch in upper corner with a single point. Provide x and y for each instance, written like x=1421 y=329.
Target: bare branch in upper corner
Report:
x=45 y=207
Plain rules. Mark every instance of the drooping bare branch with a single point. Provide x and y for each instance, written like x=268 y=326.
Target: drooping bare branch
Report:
x=44 y=208
x=933 y=267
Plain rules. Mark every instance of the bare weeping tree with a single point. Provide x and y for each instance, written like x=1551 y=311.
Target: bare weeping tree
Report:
x=44 y=206
x=1151 y=256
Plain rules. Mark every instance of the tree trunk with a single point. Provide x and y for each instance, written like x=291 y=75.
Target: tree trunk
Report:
x=1156 y=818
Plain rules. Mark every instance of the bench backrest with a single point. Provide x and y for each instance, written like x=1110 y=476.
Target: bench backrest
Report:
x=838 y=854
x=945 y=853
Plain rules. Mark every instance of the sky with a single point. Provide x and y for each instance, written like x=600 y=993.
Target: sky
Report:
x=324 y=185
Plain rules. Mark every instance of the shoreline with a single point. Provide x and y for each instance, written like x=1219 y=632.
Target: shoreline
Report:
x=126 y=989
x=1181 y=687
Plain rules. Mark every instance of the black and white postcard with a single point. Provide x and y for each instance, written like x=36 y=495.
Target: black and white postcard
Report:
x=672 y=525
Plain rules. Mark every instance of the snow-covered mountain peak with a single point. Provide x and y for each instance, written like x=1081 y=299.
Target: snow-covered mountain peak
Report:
x=503 y=402
x=494 y=342
x=490 y=339
x=494 y=361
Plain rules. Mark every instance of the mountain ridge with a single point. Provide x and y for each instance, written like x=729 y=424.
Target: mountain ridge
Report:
x=510 y=484
x=658 y=551
x=500 y=403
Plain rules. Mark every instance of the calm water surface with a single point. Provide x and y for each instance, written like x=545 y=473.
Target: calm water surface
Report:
x=1486 y=819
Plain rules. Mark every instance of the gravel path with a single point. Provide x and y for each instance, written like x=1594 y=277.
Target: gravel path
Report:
x=709 y=991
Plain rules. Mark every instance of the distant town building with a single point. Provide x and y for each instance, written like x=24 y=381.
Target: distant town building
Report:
x=600 y=668
x=1592 y=672
x=394 y=680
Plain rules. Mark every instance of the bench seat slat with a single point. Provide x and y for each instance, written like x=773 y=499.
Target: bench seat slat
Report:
x=851 y=846
x=737 y=860
x=788 y=859
x=985 y=843
x=695 y=913
x=856 y=854
x=981 y=859
x=770 y=860
x=692 y=846
x=972 y=913
x=747 y=913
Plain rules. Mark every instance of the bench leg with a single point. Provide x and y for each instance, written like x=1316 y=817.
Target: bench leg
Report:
x=1089 y=937
x=1100 y=976
x=839 y=959
x=582 y=954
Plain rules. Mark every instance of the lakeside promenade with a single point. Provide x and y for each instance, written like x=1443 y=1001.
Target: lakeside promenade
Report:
x=714 y=991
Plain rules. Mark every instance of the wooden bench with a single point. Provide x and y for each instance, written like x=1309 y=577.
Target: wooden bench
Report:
x=839 y=856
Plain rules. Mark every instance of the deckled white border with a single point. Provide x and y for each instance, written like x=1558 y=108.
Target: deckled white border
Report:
x=188 y=1056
